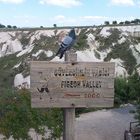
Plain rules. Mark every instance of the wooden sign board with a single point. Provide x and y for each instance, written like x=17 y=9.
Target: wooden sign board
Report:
x=66 y=84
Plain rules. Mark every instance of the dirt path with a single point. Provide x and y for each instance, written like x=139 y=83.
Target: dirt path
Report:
x=104 y=124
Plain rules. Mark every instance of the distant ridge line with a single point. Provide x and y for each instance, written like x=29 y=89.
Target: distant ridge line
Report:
x=63 y=27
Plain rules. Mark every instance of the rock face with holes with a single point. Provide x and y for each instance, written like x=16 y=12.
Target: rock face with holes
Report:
x=95 y=44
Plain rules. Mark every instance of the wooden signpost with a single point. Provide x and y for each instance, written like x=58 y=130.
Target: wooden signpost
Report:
x=82 y=84
x=71 y=84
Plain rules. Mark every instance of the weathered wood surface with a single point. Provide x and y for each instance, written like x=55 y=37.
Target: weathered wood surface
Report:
x=69 y=113
x=69 y=124
x=67 y=84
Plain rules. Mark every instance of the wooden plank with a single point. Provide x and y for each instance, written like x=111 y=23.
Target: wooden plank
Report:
x=69 y=113
x=68 y=84
x=69 y=124
x=55 y=102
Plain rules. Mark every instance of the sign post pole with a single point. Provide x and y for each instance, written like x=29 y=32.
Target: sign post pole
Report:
x=69 y=113
x=71 y=85
x=69 y=124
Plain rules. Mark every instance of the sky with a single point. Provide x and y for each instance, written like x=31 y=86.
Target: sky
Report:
x=46 y=13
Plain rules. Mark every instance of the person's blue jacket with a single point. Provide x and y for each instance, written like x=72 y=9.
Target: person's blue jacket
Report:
x=67 y=43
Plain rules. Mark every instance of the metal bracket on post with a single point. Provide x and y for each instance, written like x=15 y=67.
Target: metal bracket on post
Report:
x=69 y=113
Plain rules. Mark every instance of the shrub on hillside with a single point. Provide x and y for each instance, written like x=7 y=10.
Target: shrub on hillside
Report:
x=81 y=41
x=17 y=117
x=127 y=89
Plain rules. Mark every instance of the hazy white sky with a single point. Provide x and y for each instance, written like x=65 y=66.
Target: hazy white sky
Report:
x=32 y=13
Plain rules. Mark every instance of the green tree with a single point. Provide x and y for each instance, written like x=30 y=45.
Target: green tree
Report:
x=134 y=82
x=9 y=26
x=121 y=23
x=132 y=22
x=106 y=22
x=127 y=89
x=127 y=22
x=114 y=22
x=15 y=27
x=54 y=25
x=137 y=21
x=17 y=116
x=137 y=115
x=2 y=26
x=121 y=90
x=134 y=86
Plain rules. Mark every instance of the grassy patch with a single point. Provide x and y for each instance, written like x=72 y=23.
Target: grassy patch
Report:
x=45 y=43
x=6 y=72
x=106 y=42
x=81 y=41
x=24 y=40
x=123 y=52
